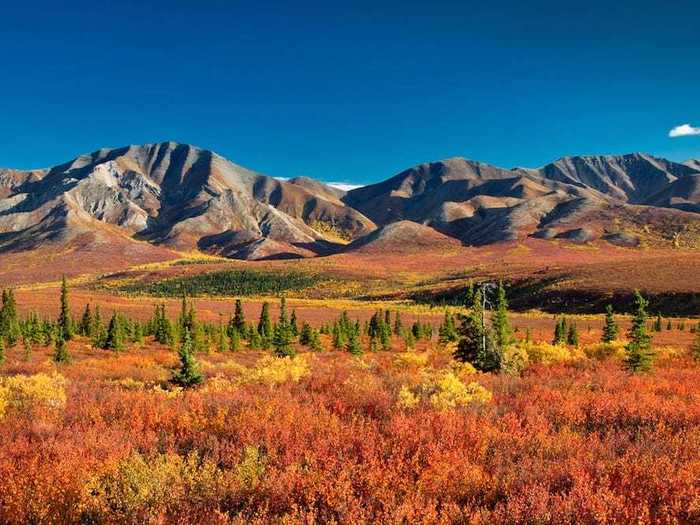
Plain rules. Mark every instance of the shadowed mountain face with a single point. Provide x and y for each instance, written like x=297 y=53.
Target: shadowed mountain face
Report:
x=181 y=197
x=575 y=198
x=174 y=195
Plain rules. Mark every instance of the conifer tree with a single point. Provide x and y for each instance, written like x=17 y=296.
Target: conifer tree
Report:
x=560 y=332
x=528 y=335
x=398 y=327
x=60 y=354
x=293 y=326
x=658 y=326
x=85 y=326
x=409 y=340
x=222 y=343
x=188 y=375
x=265 y=324
x=234 y=342
x=448 y=331
x=476 y=345
x=282 y=338
x=2 y=349
x=639 y=353
x=137 y=334
x=373 y=344
x=315 y=341
x=669 y=325
x=65 y=324
x=238 y=316
x=115 y=336
x=572 y=335
x=610 y=329
x=9 y=323
x=305 y=335
x=502 y=331
x=353 y=345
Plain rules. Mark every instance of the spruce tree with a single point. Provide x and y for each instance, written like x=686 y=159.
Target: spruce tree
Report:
x=476 y=345
x=610 y=329
x=64 y=317
x=27 y=343
x=293 y=326
x=572 y=335
x=234 y=342
x=353 y=345
x=448 y=331
x=658 y=324
x=60 y=354
x=502 y=331
x=398 y=327
x=639 y=353
x=560 y=332
x=86 y=322
x=282 y=338
x=115 y=336
x=2 y=349
x=265 y=324
x=238 y=317
x=305 y=335
x=188 y=375
x=315 y=341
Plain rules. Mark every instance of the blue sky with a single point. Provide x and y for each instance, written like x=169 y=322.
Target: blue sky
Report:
x=353 y=92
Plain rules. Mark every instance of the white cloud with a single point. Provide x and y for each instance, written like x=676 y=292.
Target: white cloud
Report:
x=683 y=130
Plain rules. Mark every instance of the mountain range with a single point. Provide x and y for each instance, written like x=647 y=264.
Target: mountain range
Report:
x=185 y=198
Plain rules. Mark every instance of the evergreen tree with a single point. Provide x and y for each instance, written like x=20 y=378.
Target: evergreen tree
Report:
x=234 y=342
x=669 y=325
x=610 y=329
x=282 y=338
x=639 y=353
x=65 y=325
x=315 y=341
x=265 y=324
x=9 y=323
x=502 y=332
x=188 y=374
x=353 y=345
x=658 y=326
x=60 y=354
x=476 y=345
x=306 y=334
x=373 y=344
x=2 y=349
x=560 y=332
x=528 y=335
x=398 y=327
x=293 y=326
x=572 y=335
x=222 y=342
x=115 y=336
x=137 y=334
x=409 y=340
x=85 y=326
x=448 y=331
x=337 y=336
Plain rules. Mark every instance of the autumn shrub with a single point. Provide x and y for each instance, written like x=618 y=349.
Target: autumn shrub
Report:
x=29 y=393
x=614 y=349
x=546 y=353
x=444 y=391
x=276 y=370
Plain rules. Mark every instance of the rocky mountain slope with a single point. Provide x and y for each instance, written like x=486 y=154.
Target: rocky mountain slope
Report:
x=574 y=198
x=180 y=197
x=174 y=195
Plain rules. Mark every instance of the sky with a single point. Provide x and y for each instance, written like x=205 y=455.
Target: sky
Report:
x=351 y=92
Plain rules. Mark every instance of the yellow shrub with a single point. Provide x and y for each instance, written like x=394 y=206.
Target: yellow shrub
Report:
x=407 y=399
x=275 y=370
x=24 y=393
x=616 y=349
x=140 y=487
x=444 y=391
x=251 y=468
x=546 y=353
x=450 y=392
x=463 y=370
x=514 y=359
x=410 y=360
x=218 y=384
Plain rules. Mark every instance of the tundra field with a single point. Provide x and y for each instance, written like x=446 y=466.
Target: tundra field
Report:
x=322 y=408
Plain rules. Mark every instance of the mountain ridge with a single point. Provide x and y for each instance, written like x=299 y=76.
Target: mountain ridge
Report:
x=187 y=198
